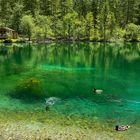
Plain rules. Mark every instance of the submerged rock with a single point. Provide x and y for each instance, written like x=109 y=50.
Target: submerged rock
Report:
x=52 y=100
x=28 y=89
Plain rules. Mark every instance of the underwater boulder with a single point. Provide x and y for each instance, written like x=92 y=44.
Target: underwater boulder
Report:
x=52 y=100
x=29 y=89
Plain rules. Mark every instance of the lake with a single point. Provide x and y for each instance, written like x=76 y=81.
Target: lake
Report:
x=29 y=74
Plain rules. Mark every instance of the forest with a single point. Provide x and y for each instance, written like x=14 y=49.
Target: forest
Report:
x=84 y=20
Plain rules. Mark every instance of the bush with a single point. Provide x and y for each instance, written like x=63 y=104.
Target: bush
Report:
x=132 y=32
x=20 y=41
x=118 y=34
x=7 y=41
x=28 y=89
x=1 y=40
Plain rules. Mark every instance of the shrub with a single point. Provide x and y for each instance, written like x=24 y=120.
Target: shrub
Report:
x=7 y=41
x=132 y=32
x=20 y=41
x=118 y=34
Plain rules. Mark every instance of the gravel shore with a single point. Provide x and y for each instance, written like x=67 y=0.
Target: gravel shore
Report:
x=38 y=131
x=35 y=126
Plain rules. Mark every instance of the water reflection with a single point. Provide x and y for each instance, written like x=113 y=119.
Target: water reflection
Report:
x=72 y=55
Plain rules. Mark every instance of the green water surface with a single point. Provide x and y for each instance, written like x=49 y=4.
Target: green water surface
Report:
x=70 y=72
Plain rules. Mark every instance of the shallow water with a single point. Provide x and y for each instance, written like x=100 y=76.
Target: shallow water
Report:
x=70 y=72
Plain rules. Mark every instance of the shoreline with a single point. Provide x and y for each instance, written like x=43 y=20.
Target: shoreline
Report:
x=49 y=41
x=36 y=126
x=39 y=131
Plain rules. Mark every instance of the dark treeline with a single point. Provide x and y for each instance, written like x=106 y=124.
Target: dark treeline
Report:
x=95 y=20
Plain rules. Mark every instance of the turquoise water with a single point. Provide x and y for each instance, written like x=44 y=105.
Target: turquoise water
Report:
x=70 y=72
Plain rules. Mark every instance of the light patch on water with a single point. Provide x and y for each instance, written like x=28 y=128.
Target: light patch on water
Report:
x=48 y=67
x=133 y=101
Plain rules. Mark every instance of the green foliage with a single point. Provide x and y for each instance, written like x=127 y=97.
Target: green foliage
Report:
x=43 y=27
x=89 y=25
x=5 y=11
x=132 y=32
x=7 y=41
x=70 y=19
x=29 y=89
x=19 y=40
x=16 y=17
x=71 y=22
x=27 y=26
x=31 y=6
x=1 y=24
x=118 y=34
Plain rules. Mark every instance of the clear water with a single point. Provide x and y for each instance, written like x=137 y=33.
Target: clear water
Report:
x=70 y=72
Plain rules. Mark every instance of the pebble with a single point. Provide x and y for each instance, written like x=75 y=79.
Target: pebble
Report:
x=38 y=131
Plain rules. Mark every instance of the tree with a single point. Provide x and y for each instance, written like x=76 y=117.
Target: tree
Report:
x=43 y=24
x=5 y=11
x=102 y=20
x=45 y=7
x=16 y=17
x=91 y=19
x=31 y=6
x=27 y=26
x=89 y=24
x=95 y=11
x=111 y=23
x=69 y=21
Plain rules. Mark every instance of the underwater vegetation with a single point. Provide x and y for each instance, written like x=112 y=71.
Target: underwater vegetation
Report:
x=29 y=89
